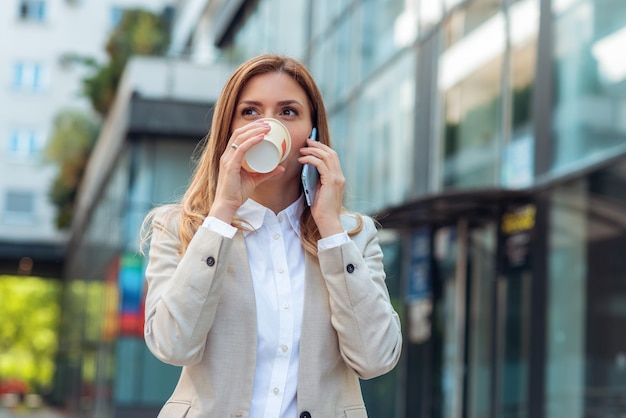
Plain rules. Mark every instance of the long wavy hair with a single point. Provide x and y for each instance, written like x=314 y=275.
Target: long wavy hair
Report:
x=199 y=197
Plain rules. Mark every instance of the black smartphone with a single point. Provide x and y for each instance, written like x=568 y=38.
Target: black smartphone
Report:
x=310 y=176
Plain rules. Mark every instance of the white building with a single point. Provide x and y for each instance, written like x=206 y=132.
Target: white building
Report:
x=37 y=81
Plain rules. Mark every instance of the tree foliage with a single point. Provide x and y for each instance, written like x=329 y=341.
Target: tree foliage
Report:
x=69 y=147
x=29 y=308
x=139 y=32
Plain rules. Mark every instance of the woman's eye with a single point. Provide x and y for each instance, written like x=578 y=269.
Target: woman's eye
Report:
x=248 y=111
x=290 y=112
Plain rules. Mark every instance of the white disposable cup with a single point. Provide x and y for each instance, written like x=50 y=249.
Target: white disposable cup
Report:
x=271 y=151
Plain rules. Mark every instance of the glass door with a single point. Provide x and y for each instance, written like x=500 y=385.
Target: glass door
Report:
x=450 y=320
x=481 y=321
x=480 y=325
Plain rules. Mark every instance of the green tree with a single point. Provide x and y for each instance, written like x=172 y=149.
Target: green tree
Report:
x=139 y=32
x=29 y=308
x=69 y=147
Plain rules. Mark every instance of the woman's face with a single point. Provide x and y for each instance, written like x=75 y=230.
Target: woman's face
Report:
x=276 y=95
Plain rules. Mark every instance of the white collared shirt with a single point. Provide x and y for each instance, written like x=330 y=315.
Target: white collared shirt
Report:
x=277 y=267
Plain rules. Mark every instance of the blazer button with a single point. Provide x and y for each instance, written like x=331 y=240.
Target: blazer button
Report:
x=305 y=414
x=210 y=261
x=350 y=268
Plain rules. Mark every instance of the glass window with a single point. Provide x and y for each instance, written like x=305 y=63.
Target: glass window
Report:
x=321 y=18
x=481 y=280
x=586 y=348
x=325 y=14
x=486 y=73
x=378 y=32
x=467 y=19
x=32 y=10
x=518 y=153
x=28 y=76
x=445 y=324
x=472 y=109
x=323 y=64
x=19 y=206
x=429 y=12
x=523 y=32
x=273 y=26
x=590 y=70
x=379 y=152
x=23 y=143
x=347 y=56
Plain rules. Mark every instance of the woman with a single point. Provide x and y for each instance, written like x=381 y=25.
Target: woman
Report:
x=273 y=308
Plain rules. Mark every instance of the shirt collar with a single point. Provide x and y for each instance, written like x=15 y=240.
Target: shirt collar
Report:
x=253 y=214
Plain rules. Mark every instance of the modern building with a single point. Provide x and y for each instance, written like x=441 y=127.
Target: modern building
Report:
x=39 y=80
x=143 y=157
x=488 y=137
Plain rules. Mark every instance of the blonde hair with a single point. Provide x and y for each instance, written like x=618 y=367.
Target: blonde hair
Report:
x=199 y=197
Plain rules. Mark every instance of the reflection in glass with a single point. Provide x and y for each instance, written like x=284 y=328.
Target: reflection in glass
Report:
x=586 y=350
x=590 y=73
x=470 y=81
x=513 y=385
x=380 y=148
x=378 y=42
x=480 y=316
x=464 y=21
x=267 y=26
x=445 y=336
x=486 y=74
x=518 y=153
x=472 y=128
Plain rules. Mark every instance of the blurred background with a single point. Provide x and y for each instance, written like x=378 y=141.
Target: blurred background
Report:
x=488 y=137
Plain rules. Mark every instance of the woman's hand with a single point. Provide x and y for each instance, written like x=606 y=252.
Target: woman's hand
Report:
x=234 y=184
x=328 y=202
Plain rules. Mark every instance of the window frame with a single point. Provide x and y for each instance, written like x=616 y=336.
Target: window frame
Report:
x=32 y=10
x=19 y=216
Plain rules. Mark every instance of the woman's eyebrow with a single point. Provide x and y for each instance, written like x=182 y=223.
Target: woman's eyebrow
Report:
x=289 y=102
x=280 y=103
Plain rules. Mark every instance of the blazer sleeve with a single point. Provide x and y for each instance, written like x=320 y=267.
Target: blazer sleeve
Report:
x=368 y=328
x=182 y=292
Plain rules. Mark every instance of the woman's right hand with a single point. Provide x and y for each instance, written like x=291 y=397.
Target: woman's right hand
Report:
x=234 y=184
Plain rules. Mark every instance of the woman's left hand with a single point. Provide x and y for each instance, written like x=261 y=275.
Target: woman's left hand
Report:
x=328 y=203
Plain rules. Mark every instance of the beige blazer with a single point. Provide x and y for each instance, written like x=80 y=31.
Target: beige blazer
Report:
x=200 y=314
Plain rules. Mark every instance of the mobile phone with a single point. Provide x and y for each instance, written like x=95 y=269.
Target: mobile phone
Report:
x=310 y=176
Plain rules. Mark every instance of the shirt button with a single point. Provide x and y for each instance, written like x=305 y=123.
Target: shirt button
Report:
x=280 y=218
x=276 y=236
x=350 y=268
x=210 y=261
x=284 y=348
x=276 y=391
x=281 y=270
x=285 y=306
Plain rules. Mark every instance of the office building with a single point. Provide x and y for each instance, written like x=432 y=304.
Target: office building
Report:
x=41 y=78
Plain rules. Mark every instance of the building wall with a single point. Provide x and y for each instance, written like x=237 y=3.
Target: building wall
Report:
x=37 y=81
x=518 y=94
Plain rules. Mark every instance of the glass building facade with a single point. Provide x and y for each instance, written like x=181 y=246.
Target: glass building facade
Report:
x=489 y=139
